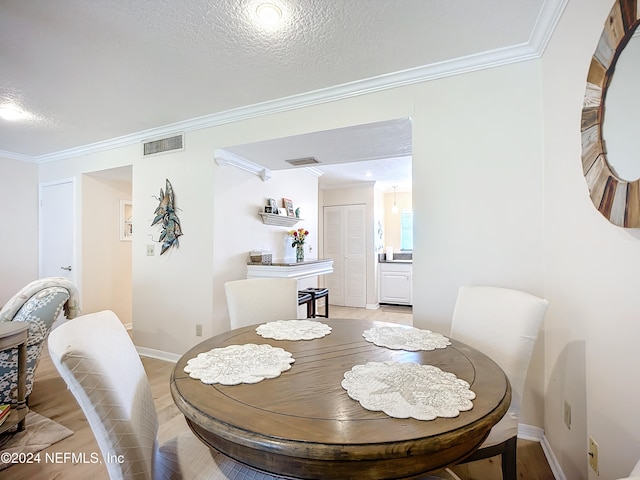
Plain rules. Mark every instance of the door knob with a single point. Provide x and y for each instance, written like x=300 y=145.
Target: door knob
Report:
x=68 y=269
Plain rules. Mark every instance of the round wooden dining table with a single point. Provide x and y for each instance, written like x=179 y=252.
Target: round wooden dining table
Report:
x=303 y=423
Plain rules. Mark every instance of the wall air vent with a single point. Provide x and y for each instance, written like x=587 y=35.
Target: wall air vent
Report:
x=302 y=162
x=164 y=145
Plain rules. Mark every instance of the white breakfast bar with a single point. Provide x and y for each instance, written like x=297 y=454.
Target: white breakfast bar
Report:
x=285 y=269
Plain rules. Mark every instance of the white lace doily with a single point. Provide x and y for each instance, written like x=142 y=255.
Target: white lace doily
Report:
x=293 y=330
x=403 y=338
x=405 y=389
x=236 y=364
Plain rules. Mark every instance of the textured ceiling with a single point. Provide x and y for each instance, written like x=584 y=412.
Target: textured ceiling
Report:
x=93 y=71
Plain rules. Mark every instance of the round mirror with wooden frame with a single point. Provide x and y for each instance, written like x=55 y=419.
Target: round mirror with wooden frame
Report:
x=616 y=198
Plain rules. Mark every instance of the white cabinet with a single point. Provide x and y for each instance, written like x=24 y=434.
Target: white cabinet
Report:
x=395 y=283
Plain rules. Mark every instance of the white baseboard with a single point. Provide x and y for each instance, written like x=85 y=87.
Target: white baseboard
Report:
x=558 y=474
x=528 y=432
x=372 y=306
x=159 y=354
x=128 y=326
x=536 y=434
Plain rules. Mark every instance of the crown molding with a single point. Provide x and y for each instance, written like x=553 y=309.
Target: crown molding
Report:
x=545 y=25
x=17 y=156
x=225 y=157
x=316 y=172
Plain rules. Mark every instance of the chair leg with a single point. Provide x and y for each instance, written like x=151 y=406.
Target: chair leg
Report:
x=326 y=305
x=509 y=459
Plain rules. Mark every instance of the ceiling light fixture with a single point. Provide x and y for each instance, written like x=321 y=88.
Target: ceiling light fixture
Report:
x=394 y=209
x=11 y=113
x=269 y=14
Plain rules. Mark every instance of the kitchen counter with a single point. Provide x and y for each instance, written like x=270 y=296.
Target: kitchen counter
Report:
x=397 y=258
x=287 y=269
x=285 y=263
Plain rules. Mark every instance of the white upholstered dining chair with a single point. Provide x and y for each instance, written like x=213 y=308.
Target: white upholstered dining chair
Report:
x=257 y=300
x=503 y=324
x=99 y=363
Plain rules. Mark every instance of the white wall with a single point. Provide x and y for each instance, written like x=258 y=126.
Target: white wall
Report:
x=592 y=327
x=239 y=229
x=19 y=240
x=106 y=260
x=478 y=196
x=173 y=292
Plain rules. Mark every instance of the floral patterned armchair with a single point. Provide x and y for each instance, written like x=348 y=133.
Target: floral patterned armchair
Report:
x=40 y=304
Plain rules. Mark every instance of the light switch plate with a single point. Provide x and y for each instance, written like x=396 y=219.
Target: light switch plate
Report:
x=593 y=455
x=567 y=414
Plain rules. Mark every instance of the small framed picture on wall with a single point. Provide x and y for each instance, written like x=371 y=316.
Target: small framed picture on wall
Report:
x=288 y=205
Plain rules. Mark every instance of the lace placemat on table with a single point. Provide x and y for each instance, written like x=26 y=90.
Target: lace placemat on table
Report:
x=405 y=338
x=293 y=330
x=236 y=364
x=405 y=389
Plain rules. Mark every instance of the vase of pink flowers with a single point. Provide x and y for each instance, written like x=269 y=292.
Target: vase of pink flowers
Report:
x=297 y=240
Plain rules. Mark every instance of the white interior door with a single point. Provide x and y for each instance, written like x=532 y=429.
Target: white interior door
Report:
x=355 y=270
x=333 y=248
x=57 y=230
x=345 y=243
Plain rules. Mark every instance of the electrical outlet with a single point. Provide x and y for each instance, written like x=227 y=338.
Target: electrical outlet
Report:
x=198 y=330
x=593 y=455
x=567 y=414
x=151 y=250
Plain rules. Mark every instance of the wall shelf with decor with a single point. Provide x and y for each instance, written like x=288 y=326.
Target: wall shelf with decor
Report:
x=280 y=220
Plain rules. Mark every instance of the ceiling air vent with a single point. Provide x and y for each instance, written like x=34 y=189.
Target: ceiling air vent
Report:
x=163 y=145
x=302 y=162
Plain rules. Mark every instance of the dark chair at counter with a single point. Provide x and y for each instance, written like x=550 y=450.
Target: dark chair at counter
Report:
x=318 y=293
x=306 y=299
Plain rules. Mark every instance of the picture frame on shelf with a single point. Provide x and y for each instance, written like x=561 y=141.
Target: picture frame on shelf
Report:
x=268 y=209
x=288 y=206
x=273 y=205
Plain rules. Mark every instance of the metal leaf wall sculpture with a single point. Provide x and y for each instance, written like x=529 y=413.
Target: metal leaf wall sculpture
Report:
x=166 y=214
